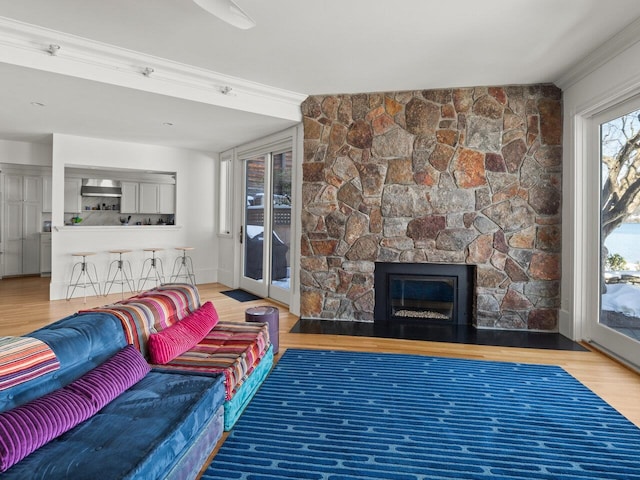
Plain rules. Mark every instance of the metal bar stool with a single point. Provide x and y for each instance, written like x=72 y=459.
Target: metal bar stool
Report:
x=120 y=275
x=84 y=276
x=155 y=271
x=183 y=266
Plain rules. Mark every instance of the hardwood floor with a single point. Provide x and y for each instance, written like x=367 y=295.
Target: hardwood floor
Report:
x=24 y=307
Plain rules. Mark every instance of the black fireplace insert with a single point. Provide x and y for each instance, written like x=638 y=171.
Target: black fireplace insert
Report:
x=423 y=292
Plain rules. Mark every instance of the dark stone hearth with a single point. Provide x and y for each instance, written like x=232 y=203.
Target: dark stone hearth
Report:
x=462 y=176
x=439 y=333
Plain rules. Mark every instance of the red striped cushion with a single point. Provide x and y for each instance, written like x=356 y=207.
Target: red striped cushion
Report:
x=152 y=311
x=180 y=299
x=24 y=358
x=136 y=321
x=167 y=344
x=232 y=348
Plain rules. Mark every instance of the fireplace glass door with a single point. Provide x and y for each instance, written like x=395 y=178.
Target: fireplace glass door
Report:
x=422 y=297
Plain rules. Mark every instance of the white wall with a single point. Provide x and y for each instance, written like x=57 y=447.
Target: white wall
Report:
x=25 y=153
x=194 y=208
x=613 y=80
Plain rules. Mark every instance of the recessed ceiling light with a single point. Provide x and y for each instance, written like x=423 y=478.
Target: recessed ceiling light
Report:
x=168 y=124
x=38 y=104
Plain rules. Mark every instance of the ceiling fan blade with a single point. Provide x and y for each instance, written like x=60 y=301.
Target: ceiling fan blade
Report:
x=228 y=11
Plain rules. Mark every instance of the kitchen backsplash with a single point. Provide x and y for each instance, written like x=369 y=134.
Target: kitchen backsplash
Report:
x=98 y=211
x=106 y=217
x=100 y=204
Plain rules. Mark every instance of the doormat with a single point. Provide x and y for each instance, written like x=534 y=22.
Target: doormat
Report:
x=241 y=295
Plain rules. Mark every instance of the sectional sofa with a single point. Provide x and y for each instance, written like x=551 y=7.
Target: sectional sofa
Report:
x=139 y=389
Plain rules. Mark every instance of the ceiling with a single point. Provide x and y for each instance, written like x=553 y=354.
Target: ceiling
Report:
x=327 y=46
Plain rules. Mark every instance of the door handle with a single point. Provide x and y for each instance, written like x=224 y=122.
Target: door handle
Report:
x=241 y=230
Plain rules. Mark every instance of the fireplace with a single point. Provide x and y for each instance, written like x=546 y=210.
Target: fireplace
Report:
x=430 y=293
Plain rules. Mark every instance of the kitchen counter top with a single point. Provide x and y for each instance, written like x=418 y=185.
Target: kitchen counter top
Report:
x=102 y=228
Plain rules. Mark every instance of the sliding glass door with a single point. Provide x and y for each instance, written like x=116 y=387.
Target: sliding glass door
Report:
x=616 y=139
x=266 y=224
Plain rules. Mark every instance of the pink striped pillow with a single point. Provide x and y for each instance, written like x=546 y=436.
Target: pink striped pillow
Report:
x=167 y=344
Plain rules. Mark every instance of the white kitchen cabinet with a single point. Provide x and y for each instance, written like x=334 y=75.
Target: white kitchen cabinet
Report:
x=166 y=198
x=46 y=194
x=157 y=198
x=148 y=198
x=23 y=212
x=12 y=228
x=72 y=198
x=45 y=253
x=129 y=199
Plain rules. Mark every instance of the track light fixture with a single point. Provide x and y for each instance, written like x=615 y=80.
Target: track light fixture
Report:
x=53 y=49
x=148 y=71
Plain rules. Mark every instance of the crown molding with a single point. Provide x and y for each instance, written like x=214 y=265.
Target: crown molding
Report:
x=614 y=46
x=29 y=46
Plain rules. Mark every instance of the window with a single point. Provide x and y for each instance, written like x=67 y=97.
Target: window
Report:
x=620 y=223
x=224 y=196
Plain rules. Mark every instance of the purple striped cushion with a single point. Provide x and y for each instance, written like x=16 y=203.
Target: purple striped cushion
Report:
x=107 y=381
x=28 y=427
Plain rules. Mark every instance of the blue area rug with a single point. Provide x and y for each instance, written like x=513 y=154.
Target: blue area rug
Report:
x=341 y=415
x=241 y=295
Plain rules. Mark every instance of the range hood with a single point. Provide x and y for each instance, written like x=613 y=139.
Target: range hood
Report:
x=94 y=187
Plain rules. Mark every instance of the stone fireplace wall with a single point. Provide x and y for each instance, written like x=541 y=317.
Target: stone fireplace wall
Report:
x=462 y=176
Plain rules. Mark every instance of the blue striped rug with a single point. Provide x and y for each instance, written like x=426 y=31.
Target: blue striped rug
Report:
x=342 y=415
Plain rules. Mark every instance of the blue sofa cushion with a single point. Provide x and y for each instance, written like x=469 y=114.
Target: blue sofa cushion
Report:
x=81 y=343
x=27 y=427
x=138 y=435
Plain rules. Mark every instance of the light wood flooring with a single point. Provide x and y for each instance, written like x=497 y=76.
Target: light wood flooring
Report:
x=24 y=306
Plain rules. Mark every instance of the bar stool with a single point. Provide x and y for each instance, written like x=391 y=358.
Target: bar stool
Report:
x=155 y=271
x=84 y=276
x=183 y=266
x=120 y=275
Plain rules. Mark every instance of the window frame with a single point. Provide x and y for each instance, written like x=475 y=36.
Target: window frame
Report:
x=224 y=208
